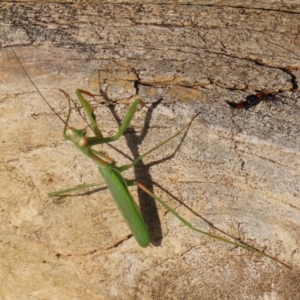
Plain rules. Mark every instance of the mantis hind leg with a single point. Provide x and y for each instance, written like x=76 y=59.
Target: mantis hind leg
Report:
x=190 y=226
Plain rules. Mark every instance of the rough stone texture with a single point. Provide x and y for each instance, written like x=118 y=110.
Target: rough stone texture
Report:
x=238 y=170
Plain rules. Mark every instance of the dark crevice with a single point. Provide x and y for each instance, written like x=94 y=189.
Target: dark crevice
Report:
x=293 y=78
x=115 y=245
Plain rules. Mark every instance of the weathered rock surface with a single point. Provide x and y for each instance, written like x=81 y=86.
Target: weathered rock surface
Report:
x=238 y=170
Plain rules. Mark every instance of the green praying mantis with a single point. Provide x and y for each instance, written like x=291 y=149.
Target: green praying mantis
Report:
x=112 y=174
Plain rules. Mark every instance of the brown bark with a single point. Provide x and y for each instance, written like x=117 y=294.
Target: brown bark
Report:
x=237 y=169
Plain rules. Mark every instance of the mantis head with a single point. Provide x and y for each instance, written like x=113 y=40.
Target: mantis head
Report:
x=78 y=137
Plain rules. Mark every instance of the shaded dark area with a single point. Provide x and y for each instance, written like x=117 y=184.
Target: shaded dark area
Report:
x=251 y=100
x=147 y=205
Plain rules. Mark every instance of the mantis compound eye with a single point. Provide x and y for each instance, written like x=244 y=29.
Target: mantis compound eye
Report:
x=82 y=142
x=70 y=132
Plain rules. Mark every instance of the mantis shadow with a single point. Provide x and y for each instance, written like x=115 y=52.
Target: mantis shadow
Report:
x=142 y=174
